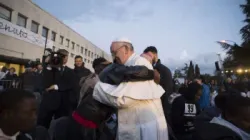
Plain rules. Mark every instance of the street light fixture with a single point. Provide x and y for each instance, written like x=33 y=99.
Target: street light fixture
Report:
x=226 y=41
x=229 y=42
x=239 y=70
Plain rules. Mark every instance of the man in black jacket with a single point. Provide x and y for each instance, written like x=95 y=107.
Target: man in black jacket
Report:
x=79 y=69
x=80 y=72
x=60 y=98
x=166 y=77
x=184 y=110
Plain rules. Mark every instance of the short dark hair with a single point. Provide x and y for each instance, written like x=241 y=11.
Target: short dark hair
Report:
x=10 y=98
x=151 y=49
x=4 y=69
x=232 y=103
x=202 y=78
x=98 y=61
x=78 y=56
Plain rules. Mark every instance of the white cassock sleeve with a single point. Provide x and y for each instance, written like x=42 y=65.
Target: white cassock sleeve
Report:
x=105 y=98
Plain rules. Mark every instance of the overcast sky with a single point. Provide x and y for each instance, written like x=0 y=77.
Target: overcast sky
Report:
x=182 y=30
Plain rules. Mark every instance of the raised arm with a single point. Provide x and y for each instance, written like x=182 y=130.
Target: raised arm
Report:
x=117 y=74
x=134 y=73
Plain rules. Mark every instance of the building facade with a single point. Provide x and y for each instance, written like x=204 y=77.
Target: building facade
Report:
x=25 y=27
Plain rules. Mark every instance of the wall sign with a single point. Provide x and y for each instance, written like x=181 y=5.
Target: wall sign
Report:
x=10 y=29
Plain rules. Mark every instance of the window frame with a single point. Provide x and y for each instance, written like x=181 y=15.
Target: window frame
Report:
x=67 y=45
x=24 y=17
x=36 y=23
x=77 y=47
x=47 y=32
x=61 y=39
x=8 y=9
x=73 y=45
x=53 y=38
x=82 y=49
x=86 y=51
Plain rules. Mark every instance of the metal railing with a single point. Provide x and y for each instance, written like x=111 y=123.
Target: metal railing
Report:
x=6 y=84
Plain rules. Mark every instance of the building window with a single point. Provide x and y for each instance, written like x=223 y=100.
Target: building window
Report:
x=45 y=32
x=88 y=53
x=78 y=48
x=73 y=45
x=61 y=40
x=21 y=20
x=5 y=13
x=82 y=50
x=34 y=27
x=92 y=55
x=85 y=60
x=67 y=40
x=53 y=36
x=72 y=55
x=88 y=61
x=54 y=48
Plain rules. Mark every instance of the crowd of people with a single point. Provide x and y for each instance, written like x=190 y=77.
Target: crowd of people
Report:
x=132 y=98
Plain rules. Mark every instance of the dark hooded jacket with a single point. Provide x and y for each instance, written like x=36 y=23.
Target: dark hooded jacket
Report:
x=87 y=122
x=167 y=84
x=212 y=131
x=184 y=110
x=112 y=74
x=79 y=73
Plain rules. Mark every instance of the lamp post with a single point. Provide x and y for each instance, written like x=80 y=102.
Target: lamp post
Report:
x=45 y=47
x=220 y=61
x=226 y=42
x=221 y=75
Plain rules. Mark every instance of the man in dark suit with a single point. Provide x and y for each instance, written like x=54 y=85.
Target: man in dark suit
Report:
x=166 y=77
x=60 y=98
x=79 y=69
x=80 y=72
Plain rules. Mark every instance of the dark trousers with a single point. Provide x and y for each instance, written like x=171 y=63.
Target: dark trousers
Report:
x=69 y=129
x=55 y=105
x=37 y=133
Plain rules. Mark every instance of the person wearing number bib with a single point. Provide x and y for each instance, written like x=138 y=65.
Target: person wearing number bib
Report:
x=184 y=110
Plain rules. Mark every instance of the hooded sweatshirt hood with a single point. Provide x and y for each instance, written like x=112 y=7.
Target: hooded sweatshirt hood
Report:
x=192 y=90
x=218 y=120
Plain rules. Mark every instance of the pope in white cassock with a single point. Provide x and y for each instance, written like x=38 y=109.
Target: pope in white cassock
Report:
x=140 y=113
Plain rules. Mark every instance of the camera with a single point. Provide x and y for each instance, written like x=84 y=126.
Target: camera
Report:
x=32 y=64
x=55 y=59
